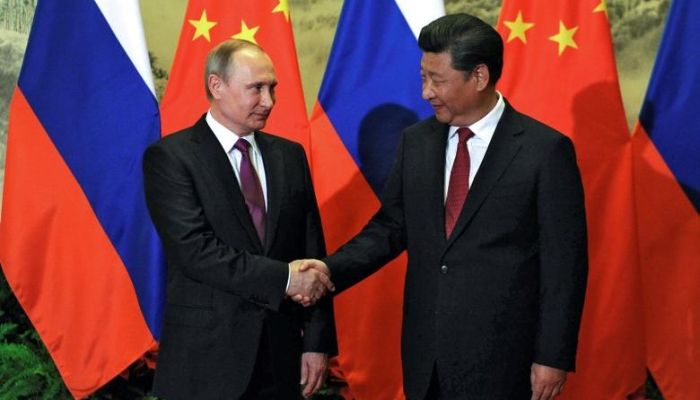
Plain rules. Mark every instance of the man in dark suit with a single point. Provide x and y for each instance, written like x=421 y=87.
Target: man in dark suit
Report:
x=489 y=204
x=233 y=206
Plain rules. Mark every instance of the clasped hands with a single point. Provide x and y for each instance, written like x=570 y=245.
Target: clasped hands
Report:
x=309 y=280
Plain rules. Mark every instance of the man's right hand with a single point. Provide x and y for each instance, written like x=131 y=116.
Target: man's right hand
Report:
x=547 y=382
x=308 y=281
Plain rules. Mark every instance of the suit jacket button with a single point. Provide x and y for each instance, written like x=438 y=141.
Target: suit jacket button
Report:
x=443 y=269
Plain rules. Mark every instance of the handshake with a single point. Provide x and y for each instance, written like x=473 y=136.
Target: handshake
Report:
x=309 y=280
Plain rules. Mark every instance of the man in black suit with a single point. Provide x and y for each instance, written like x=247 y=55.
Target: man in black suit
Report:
x=233 y=205
x=489 y=204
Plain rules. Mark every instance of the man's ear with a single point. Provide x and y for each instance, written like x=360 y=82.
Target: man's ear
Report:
x=215 y=84
x=482 y=75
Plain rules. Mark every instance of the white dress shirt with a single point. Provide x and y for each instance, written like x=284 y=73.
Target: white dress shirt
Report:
x=227 y=139
x=476 y=146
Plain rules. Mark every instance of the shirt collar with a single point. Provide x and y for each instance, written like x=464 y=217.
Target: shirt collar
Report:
x=486 y=126
x=226 y=137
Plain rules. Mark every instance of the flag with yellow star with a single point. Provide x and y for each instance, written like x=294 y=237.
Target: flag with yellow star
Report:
x=560 y=68
x=666 y=146
x=208 y=23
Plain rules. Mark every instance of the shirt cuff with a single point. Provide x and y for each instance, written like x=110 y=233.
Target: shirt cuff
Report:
x=289 y=278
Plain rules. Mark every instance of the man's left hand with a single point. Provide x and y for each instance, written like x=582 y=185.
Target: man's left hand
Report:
x=547 y=382
x=313 y=372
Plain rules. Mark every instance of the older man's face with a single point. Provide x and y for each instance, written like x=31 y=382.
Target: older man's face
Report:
x=245 y=100
x=451 y=93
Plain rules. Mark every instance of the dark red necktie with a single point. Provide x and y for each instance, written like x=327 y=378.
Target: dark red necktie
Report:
x=252 y=191
x=459 y=182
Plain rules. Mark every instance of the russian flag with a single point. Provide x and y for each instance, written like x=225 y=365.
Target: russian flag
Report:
x=76 y=243
x=666 y=146
x=371 y=90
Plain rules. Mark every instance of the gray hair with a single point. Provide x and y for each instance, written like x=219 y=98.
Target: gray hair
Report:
x=220 y=60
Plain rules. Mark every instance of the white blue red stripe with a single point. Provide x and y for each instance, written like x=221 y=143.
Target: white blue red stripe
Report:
x=670 y=112
x=100 y=112
x=371 y=89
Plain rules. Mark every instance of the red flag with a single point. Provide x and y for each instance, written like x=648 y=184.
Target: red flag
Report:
x=209 y=22
x=560 y=68
x=667 y=185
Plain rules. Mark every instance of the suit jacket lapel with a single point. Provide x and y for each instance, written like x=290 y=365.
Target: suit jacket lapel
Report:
x=213 y=158
x=500 y=153
x=274 y=173
x=435 y=147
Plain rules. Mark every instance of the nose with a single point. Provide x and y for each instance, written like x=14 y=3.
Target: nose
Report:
x=427 y=90
x=267 y=98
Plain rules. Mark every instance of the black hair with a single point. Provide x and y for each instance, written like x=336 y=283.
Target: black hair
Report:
x=469 y=40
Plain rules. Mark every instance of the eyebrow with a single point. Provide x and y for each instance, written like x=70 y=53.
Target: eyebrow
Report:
x=262 y=82
x=430 y=73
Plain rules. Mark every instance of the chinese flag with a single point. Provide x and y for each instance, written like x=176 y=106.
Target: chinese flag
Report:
x=208 y=23
x=560 y=68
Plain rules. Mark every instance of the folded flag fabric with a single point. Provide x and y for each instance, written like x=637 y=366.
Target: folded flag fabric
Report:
x=76 y=243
